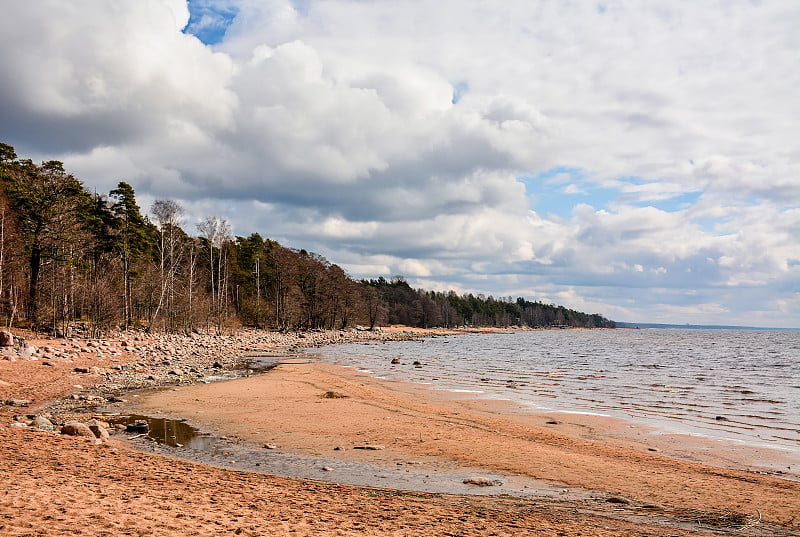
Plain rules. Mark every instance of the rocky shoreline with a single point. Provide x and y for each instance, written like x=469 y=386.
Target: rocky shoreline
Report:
x=112 y=367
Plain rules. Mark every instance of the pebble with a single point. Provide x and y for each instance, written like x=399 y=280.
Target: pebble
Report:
x=17 y=402
x=483 y=481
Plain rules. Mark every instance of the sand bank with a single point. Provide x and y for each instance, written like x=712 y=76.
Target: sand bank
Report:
x=321 y=409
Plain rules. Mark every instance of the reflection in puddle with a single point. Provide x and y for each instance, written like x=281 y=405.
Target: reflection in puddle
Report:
x=170 y=432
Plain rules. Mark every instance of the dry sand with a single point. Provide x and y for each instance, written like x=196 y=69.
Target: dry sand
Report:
x=57 y=485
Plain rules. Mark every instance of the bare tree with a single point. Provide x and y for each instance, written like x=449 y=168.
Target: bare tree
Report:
x=217 y=232
x=168 y=214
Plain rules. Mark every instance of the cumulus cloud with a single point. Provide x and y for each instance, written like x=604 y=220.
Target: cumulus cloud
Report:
x=392 y=137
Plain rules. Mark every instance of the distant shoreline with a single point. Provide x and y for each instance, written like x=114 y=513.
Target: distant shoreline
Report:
x=621 y=324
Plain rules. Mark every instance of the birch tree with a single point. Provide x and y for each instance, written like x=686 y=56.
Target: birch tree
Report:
x=168 y=214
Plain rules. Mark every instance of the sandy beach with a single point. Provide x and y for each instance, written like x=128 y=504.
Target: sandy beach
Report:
x=608 y=478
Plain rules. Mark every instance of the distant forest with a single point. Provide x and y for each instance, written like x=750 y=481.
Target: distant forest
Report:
x=70 y=257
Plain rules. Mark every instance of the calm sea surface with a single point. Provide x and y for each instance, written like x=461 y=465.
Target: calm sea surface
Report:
x=736 y=384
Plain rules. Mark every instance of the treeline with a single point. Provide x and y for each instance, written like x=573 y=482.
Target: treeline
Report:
x=72 y=257
x=405 y=305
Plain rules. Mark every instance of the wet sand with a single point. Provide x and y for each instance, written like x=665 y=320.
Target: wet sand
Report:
x=324 y=410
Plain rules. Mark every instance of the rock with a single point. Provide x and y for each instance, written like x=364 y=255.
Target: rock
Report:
x=217 y=365
x=81 y=370
x=76 y=428
x=6 y=338
x=327 y=469
x=270 y=446
x=43 y=423
x=17 y=402
x=370 y=447
x=333 y=395
x=99 y=431
x=395 y=360
x=618 y=500
x=553 y=422
x=483 y=481
x=177 y=372
x=138 y=427
x=721 y=418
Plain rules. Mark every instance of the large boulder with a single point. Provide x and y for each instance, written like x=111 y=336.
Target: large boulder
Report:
x=76 y=428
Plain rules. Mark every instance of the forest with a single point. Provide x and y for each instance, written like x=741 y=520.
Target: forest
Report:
x=71 y=258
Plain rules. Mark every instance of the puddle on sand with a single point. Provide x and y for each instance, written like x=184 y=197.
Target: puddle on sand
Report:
x=169 y=432
x=179 y=439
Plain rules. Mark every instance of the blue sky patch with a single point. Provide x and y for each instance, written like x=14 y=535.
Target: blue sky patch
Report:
x=558 y=190
x=209 y=21
x=459 y=89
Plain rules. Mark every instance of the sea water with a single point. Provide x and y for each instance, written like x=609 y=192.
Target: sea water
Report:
x=742 y=385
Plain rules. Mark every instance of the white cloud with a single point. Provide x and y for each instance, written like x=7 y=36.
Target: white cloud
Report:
x=391 y=136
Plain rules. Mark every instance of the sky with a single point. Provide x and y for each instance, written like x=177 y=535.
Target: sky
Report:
x=635 y=159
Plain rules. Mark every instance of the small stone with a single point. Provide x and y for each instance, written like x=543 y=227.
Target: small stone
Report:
x=43 y=423
x=81 y=370
x=270 y=446
x=721 y=418
x=6 y=338
x=618 y=500
x=17 y=402
x=99 y=431
x=327 y=469
x=395 y=360
x=370 y=447
x=483 y=481
x=137 y=427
